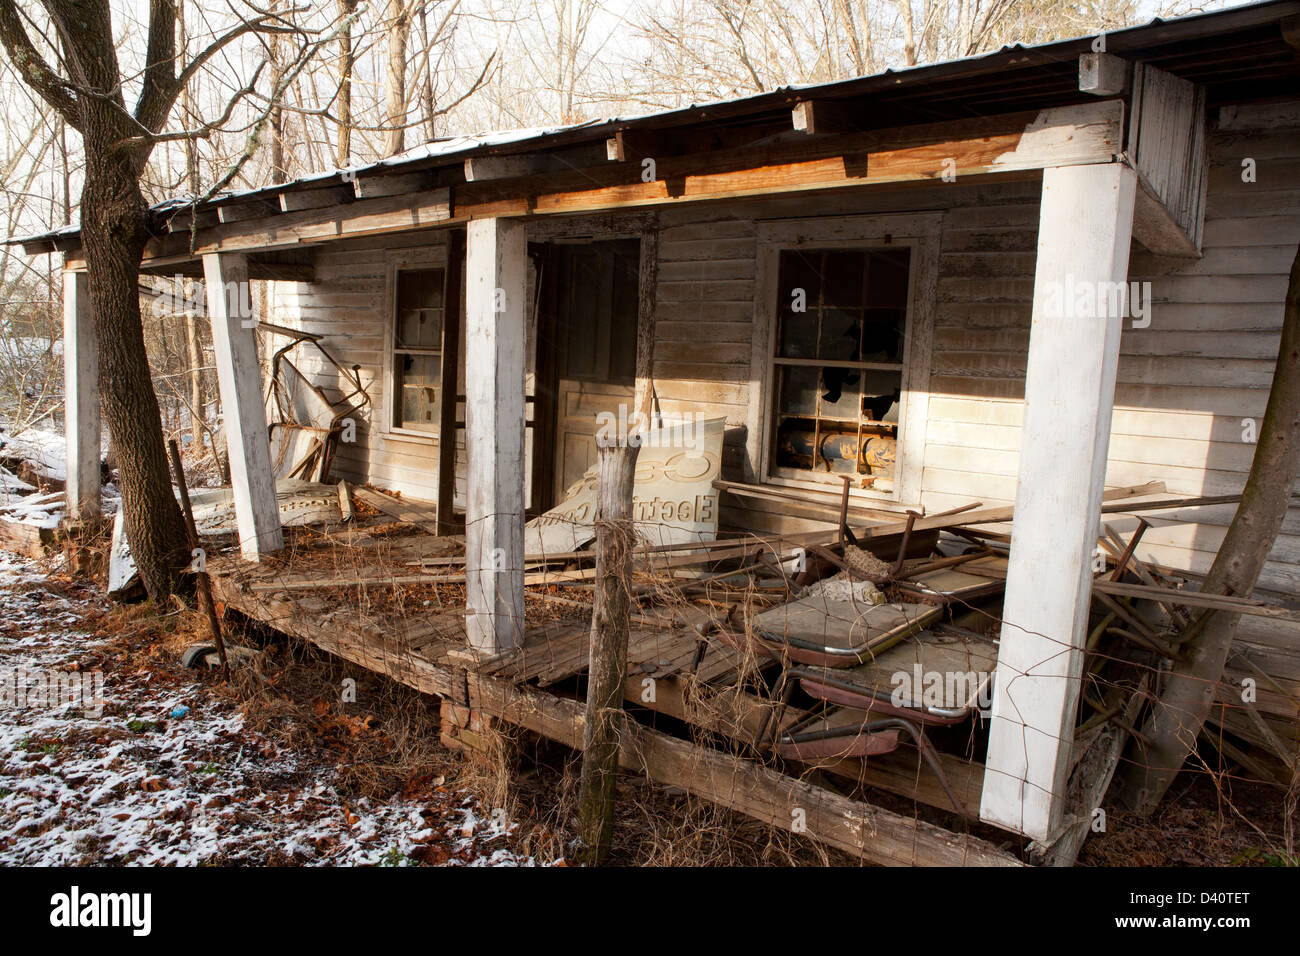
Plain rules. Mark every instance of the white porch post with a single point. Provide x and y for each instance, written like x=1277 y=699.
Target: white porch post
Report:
x=1084 y=228
x=494 y=433
x=81 y=397
x=229 y=301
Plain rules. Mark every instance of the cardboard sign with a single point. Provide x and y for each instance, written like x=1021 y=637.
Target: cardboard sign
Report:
x=673 y=499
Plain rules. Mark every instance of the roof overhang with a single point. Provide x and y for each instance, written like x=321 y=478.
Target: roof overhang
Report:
x=979 y=109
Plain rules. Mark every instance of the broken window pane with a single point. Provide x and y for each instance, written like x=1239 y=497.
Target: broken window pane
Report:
x=417 y=381
x=847 y=308
x=419 y=308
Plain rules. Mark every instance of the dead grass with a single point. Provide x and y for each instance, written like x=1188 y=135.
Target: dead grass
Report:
x=386 y=741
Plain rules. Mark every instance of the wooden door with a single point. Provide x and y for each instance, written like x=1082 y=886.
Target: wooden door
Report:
x=591 y=291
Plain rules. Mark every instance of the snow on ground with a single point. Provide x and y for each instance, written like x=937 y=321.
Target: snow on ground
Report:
x=45 y=448
x=157 y=770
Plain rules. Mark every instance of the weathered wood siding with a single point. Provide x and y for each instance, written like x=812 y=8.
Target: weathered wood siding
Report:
x=347 y=305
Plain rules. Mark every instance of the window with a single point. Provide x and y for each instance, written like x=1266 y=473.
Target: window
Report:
x=837 y=367
x=417 y=349
x=841 y=373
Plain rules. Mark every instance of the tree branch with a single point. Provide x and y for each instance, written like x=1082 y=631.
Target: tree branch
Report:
x=35 y=71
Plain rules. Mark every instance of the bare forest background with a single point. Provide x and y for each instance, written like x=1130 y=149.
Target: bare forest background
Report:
x=346 y=82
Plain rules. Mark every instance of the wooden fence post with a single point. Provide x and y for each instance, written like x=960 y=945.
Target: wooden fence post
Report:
x=615 y=539
x=607 y=666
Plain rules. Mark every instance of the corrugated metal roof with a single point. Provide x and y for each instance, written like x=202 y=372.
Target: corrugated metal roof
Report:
x=1238 y=53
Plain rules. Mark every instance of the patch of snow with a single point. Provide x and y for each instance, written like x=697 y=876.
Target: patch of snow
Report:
x=44 y=448
x=133 y=784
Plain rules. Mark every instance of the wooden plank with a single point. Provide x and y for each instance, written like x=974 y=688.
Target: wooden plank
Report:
x=239 y=379
x=862 y=829
x=291 y=230
x=1218 y=602
x=496 y=267
x=81 y=404
x=1094 y=770
x=327 y=197
x=394 y=507
x=1103 y=74
x=247 y=210
x=1088 y=133
x=1167 y=140
x=393 y=184
x=1084 y=234
x=24 y=538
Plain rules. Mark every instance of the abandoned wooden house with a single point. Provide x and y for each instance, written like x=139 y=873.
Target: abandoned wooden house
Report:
x=1017 y=312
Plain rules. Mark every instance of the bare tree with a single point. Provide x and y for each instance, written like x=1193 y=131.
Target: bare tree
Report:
x=88 y=92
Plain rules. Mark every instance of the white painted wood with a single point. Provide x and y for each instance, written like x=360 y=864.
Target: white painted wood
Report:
x=243 y=414
x=1085 y=226
x=81 y=390
x=496 y=287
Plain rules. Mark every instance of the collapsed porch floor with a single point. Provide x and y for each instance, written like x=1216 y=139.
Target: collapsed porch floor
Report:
x=353 y=593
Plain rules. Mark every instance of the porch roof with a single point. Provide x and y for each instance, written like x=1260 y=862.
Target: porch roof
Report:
x=1238 y=54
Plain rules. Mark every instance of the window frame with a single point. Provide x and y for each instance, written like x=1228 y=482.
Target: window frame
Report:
x=407 y=261
x=920 y=233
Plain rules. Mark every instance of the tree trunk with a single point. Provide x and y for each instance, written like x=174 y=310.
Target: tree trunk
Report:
x=909 y=36
x=607 y=665
x=347 y=59
x=426 y=89
x=279 y=168
x=114 y=235
x=1185 y=702
x=399 y=30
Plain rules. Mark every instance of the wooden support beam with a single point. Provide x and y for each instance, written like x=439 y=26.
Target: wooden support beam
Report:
x=1103 y=74
x=482 y=168
x=866 y=831
x=243 y=415
x=1010 y=143
x=496 y=276
x=1085 y=225
x=1013 y=144
x=189 y=217
x=81 y=403
x=818 y=117
x=258 y=268
x=451 y=323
